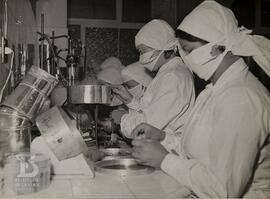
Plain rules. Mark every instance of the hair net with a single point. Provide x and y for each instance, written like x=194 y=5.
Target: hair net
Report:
x=217 y=24
x=157 y=34
x=112 y=62
x=111 y=76
x=136 y=72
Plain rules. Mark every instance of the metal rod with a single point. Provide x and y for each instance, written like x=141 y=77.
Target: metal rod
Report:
x=59 y=36
x=96 y=126
x=42 y=43
x=6 y=20
x=3 y=35
x=2 y=48
x=53 y=58
x=69 y=46
x=84 y=63
x=78 y=121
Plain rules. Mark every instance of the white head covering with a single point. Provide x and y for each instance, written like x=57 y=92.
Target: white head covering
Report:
x=111 y=76
x=157 y=34
x=217 y=24
x=136 y=72
x=112 y=62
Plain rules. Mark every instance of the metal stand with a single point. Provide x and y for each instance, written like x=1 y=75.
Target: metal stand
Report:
x=96 y=125
x=42 y=44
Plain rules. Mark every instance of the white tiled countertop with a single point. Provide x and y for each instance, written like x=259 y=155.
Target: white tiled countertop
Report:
x=154 y=185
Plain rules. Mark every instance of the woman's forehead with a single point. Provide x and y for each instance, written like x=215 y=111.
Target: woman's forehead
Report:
x=143 y=47
x=189 y=45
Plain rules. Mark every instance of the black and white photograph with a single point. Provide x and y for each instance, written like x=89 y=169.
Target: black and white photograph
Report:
x=134 y=99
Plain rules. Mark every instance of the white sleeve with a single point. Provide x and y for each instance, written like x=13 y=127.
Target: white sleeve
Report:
x=134 y=104
x=172 y=141
x=233 y=147
x=171 y=100
x=129 y=121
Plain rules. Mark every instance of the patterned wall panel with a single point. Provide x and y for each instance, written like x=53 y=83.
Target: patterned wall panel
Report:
x=101 y=43
x=128 y=52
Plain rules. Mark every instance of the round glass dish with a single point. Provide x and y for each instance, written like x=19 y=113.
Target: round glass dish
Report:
x=123 y=167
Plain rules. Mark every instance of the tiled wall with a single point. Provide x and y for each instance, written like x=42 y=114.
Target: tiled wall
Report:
x=102 y=43
x=127 y=51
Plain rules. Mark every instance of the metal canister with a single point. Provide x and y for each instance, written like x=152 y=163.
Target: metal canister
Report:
x=30 y=95
x=15 y=139
x=12 y=118
x=41 y=80
x=90 y=94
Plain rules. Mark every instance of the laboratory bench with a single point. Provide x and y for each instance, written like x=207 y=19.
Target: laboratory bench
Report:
x=155 y=185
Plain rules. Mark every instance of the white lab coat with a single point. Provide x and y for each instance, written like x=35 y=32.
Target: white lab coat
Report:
x=166 y=102
x=226 y=131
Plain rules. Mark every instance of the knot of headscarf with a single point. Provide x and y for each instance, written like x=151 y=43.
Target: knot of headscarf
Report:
x=242 y=43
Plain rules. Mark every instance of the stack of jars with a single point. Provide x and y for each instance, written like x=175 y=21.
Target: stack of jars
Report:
x=21 y=107
x=17 y=113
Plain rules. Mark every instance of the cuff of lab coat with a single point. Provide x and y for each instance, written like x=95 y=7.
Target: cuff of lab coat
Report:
x=166 y=164
x=124 y=126
x=177 y=167
x=171 y=140
x=134 y=104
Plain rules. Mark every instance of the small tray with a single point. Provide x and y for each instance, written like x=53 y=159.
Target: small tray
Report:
x=123 y=167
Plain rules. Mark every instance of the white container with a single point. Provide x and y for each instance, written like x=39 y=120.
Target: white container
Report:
x=61 y=134
x=26 y=173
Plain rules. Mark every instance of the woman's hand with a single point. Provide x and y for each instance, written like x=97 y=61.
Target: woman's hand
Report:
x=149 y=152
x=146 y=131
x=122 y=93
x=95 y=154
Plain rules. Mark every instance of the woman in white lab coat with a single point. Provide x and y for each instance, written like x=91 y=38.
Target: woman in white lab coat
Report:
x=135 y=80
x=224 y=151
x=170 y=96
x=133 y=77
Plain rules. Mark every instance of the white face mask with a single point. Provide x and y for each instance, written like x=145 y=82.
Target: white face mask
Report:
x=147 y=57
x=202 y=62
x=149 y=60
x=137 y=91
